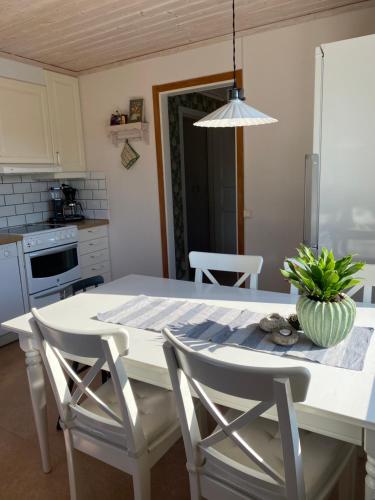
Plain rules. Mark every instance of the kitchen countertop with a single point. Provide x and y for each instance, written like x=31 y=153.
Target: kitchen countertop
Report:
x=6 y=238
x=9 y=238
x=88 y=223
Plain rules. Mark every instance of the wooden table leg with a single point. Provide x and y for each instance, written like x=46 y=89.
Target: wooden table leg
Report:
x=370 y=465
x=39 y=402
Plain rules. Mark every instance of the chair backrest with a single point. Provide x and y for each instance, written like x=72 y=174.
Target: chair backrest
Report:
x=367 y=276
x=106 y=347
x=204 y=262
x=81 y=286
x=190 y=370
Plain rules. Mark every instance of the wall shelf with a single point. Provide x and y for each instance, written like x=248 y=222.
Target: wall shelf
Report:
x=131 y=131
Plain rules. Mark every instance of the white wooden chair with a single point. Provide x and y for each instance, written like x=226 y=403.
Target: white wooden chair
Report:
x=127 y=424
x=249 y=265
x=367 y=275
x=247 y=456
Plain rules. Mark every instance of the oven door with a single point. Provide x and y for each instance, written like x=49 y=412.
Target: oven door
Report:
x=52 y=267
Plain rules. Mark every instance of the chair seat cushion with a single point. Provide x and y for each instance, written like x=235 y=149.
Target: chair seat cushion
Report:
x=156 y=408
x=322 y=456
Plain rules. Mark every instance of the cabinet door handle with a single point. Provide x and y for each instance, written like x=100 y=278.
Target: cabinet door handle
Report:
x=58 y=157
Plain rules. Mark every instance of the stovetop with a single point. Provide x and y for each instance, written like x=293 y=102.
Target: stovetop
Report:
x=30 y=228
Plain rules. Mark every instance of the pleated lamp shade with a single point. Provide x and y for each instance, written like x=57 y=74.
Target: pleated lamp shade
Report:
x=235 y=114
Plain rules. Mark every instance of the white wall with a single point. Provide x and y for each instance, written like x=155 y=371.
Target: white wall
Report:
x=279 y=77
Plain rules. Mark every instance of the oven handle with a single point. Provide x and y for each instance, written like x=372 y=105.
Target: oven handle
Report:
x=48 y=251
x=54 y=291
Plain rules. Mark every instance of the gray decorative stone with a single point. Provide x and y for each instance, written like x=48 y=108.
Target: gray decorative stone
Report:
x=279 y=339
x=273 y=322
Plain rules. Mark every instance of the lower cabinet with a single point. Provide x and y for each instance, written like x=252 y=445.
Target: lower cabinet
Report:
x=94 y=252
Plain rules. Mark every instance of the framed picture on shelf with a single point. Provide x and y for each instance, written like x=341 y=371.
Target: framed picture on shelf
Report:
x=136 y=110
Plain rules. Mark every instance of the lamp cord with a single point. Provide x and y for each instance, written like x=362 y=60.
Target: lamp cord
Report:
x=234 y=45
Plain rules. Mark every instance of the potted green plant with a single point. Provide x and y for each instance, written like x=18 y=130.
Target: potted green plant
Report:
x=326 y=314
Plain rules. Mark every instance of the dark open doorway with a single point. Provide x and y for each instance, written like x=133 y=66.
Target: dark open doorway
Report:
x=203 y=179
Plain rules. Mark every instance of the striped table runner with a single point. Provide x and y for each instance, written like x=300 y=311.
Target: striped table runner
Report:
x=224 y=325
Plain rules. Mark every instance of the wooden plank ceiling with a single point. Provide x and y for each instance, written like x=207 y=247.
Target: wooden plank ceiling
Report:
x=79 y=35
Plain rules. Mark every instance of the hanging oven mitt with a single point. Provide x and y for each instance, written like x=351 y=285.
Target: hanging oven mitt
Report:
x=128 y=156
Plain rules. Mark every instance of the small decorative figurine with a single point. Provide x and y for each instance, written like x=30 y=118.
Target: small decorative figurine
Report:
x=273 y=322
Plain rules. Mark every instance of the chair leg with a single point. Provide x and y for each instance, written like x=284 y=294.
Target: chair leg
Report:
x=70 y=462
x=142 y=480
x=194 y=486
x=347 y=481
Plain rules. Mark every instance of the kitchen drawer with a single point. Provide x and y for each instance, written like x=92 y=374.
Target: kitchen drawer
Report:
x=94 y=257
x=95 y=269
x=92 y=233
x=93 y=245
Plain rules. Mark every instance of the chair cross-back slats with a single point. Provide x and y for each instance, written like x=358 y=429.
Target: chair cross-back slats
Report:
x=230 y=430
x=367 y=276
x=82 y=385
x=204 y=262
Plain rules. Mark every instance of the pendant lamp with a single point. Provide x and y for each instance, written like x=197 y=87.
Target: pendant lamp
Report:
x=236 y=113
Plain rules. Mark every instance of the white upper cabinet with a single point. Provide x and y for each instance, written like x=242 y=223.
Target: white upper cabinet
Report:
x=66 y=122
x=25 y=135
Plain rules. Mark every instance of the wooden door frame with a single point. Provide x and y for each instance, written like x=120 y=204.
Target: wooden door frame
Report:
x=157 y=90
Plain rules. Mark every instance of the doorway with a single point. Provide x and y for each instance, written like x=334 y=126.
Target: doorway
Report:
x=200 y=173
x=203 y=179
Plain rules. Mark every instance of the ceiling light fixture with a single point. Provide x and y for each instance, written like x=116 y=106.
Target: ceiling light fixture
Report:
x=236 y=113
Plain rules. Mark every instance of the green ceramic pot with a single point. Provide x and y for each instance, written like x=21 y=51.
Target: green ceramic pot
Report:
x=326 y=323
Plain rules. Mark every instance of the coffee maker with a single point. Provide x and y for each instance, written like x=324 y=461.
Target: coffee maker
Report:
x=64 y=204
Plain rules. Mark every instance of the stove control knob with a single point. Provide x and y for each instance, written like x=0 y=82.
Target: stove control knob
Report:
x=39 y=242
x=32 y=243
x=6 y=253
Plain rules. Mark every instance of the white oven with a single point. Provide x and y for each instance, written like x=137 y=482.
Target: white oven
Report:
x=51 y=267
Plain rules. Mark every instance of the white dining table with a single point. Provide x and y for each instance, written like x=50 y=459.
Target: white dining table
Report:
x=340 y=403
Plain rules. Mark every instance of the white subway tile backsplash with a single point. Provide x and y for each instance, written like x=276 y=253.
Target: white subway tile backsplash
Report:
x=33 y=218
x=5 y=211
x=101 y=214
x=97 y=175
x=90 y=214
x=93 y=204
x=11 y=179
x=16 y=220
x=45 y=196
x=13 y=199
x=85 y=194
x=6 y=188
x=90 y=184
x=78 y=184
x=25 y=208
x=100 y=194
x=26 y=199
x=22 y=187
x=53 y=184
x=37 y=187
x=31 y=197
x=43 y=206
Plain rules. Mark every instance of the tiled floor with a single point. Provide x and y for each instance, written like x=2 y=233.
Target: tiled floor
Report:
x=21 y=477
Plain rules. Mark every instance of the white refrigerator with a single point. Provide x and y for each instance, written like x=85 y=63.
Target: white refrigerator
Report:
x=340 y=174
